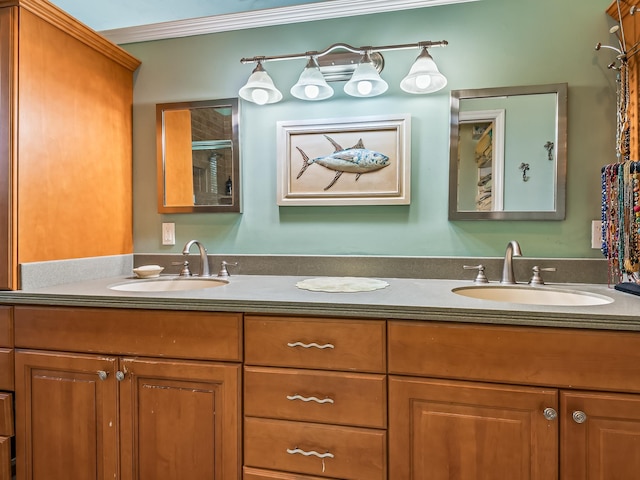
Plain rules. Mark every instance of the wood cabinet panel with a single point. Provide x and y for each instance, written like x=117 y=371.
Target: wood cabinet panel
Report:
x=71 y=100
x=157 y=333
x=66 y=417
x=520 y=355
x=470 y=431
x=5 y=459
x=6 y=369
x=347 y=344
x=346 y=398
x=259 y=474
x=606 y=445
x=6 y=415
x=6 y=326
x=180 y=419
x=8 y=174
x=357 y=453
x=631 y=26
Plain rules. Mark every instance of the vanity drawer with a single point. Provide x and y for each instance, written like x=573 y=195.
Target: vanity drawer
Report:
x=154 y=333
x=6 y=369
x=358 y=453
x=327 y=344
x=259 y=474
x=357 y=399
x=569 y=358
x=6 y=415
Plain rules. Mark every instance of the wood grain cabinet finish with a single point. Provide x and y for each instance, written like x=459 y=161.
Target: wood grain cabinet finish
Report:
x=341 y=398
x=315 y=398
x=551 y=429
x=104 y=416
x=7 y=428
x=631 y=26
x=66 y=96
x=327 y=344
x=465 y=431
x=260 y=474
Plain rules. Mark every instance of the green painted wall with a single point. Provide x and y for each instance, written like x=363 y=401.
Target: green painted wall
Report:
x=492 y=43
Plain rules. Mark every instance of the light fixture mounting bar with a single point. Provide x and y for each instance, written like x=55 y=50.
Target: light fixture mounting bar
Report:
x=344 y=46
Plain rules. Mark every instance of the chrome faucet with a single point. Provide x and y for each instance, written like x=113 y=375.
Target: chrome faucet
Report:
x=513 y=250
x=204 y=260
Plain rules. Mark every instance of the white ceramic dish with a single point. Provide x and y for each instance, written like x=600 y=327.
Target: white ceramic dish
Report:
x=148 y=271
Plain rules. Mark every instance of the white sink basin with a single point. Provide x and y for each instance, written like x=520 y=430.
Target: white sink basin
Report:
x=173 y=284
x=532 y=295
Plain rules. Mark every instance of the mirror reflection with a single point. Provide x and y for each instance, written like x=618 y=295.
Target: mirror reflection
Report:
x=508 y=153
x=198 y=157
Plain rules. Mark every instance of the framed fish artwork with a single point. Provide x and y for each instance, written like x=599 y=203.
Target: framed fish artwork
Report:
x=345 y=161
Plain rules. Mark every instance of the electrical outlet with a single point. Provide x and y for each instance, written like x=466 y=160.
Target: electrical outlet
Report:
x=168 y=233
x=596 y=234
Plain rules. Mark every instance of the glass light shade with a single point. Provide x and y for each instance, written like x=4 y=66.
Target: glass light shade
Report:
x=366 y=81
x=311 y=84
x=260 y=88
x=424 y=76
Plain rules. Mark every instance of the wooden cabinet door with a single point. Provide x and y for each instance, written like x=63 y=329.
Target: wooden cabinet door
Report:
x=446 y=430
x=179 y=420
x=600 y=436
x=66 y=416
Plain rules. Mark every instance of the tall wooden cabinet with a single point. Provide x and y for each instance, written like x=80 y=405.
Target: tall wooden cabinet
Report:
x=66 y=97
x=631 y=26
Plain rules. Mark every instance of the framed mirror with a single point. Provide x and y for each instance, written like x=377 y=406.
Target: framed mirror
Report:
x=508 y=153
x=198 y=158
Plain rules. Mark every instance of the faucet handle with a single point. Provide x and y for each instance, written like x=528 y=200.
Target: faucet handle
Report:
x=481 y=277
x=185 y=272
x=223 y=268
x=536 y=278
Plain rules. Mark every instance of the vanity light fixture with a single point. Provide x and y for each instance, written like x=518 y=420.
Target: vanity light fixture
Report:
x=424 y=76
x=365 y=81
x=360 y=67
x=311 y=84
x=260 y=88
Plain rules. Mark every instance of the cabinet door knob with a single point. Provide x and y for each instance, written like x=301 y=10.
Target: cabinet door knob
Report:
x=579 y=416
x=119 y=376
x=550 y=413
x=102 y=375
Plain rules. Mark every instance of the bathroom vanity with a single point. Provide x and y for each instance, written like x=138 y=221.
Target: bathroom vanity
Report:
x=237 y=381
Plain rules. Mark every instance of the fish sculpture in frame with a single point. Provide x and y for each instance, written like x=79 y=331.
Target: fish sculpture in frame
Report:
x=356 y=159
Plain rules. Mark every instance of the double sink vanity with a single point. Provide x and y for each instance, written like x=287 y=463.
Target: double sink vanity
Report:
x=249 y=377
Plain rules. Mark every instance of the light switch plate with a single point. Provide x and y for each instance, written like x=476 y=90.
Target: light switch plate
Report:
x=168 y=233
x=596 y=234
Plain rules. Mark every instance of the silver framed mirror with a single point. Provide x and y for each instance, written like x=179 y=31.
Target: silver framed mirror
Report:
x=198 y=157
x=508 y=153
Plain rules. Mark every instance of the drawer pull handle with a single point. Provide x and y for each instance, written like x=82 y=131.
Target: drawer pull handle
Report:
x=308 y=454
x=309 y=399
x=310 y=345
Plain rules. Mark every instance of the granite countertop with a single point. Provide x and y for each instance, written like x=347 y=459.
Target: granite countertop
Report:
x=403 y=298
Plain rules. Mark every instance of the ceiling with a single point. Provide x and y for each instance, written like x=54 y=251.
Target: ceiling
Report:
x=112 y=14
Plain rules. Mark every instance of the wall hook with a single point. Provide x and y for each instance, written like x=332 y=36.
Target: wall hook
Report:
x=549 y=146
x=525 y=168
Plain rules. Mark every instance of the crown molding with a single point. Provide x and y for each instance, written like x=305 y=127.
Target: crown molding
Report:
x=264 y=18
